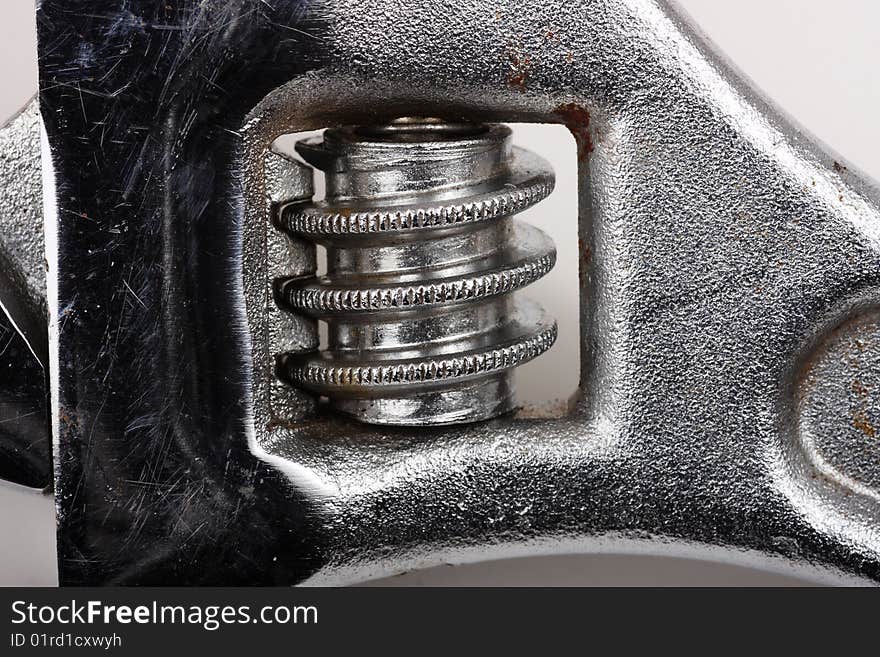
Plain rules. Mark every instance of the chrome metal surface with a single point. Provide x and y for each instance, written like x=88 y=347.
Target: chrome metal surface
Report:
x=729 y=278
x=423 y=257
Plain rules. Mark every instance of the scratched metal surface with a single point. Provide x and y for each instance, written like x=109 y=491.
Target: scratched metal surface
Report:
x=729 y=272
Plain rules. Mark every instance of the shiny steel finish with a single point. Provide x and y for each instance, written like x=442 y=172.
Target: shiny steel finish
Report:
x=730 y=280
x=422 y=256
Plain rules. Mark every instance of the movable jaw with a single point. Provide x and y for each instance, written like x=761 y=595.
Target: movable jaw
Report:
x=25 y=446
x=729 y=287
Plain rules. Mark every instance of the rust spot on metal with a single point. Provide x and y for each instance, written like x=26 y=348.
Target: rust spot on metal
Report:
x=585 y=251
x=67 y=417
x=520 y=68
x=577 y=119
x=278 y=423
x=859 y=388
x=861 y=422
x=69 y=427
x=586 y=254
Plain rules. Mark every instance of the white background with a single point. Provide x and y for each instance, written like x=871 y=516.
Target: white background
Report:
x=817 y=60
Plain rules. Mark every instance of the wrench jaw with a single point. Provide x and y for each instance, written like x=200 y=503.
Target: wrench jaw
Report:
x=721 y=248
x=25 y=446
